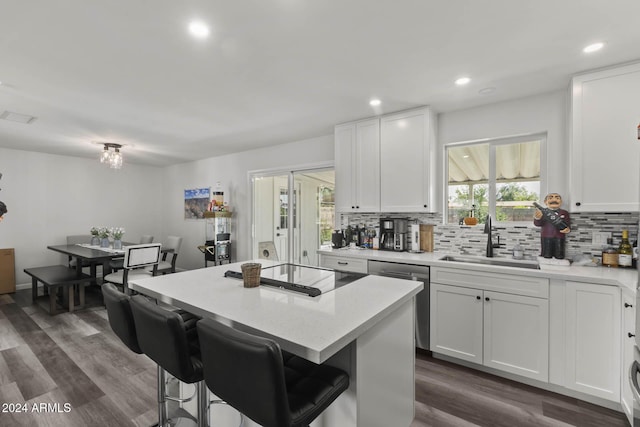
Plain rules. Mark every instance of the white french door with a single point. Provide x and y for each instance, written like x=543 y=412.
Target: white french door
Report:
x=292 y=214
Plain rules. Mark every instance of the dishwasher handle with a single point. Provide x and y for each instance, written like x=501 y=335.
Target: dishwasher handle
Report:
x=403 y=275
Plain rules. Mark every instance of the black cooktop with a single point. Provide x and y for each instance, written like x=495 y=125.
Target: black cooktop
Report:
x=312 y=281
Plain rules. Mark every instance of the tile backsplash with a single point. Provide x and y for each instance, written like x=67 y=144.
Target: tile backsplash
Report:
x=472 y=240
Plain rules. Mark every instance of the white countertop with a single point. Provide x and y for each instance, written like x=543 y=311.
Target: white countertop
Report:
x=311 y=327
x=625 y=278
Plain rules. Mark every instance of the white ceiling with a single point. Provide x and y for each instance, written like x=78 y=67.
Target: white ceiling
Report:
x=276 y=71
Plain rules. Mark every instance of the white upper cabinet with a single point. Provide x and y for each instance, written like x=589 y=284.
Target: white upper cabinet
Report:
x=605 y=151
x=407 y=160
x=357 y=166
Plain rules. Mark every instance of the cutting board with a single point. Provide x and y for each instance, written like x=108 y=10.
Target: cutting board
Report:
x=426 y=237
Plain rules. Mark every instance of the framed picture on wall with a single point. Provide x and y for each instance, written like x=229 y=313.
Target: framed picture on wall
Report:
x=196 y=202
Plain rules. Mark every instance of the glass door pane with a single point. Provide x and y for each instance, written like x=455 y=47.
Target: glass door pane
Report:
x=270 y=217
x=301 y=217
x=314 y=213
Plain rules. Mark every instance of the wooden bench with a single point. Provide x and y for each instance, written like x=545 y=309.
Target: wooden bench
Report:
x=54 y=278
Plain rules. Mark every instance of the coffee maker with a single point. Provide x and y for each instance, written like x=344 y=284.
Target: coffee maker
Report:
x=386 y=234
x=393 y=234
x=400 y=232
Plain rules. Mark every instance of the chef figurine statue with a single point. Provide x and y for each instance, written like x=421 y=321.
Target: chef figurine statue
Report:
x=3 y=210
x=555 y=225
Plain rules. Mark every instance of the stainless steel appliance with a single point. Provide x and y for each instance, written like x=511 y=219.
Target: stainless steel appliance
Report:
x=386 y=234
x=400 y=232
x=410 y=272
x=394 y=233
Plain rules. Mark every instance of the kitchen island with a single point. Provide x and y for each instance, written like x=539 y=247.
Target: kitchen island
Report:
x=365 y=328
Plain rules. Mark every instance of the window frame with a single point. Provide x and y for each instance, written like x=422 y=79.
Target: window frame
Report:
x=493 y=143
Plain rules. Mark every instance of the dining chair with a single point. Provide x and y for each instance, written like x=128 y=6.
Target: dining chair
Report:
x=140 y=261
x=116 y=263
x=171 y=247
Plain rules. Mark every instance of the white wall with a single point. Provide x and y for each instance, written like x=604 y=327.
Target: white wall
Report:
x=232 y=171
x=50 y=197
x=540 y=113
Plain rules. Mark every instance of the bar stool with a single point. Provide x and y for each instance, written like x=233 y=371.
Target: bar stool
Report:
x=170 y=339
x=122 y=323
x=272 y=387
x=120 y=316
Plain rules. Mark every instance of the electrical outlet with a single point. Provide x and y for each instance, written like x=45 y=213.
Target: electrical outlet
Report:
x=600 y=238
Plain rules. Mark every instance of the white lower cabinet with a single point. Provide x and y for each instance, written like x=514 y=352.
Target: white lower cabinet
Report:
x=628 y=341
x=592 y=354
x=498 y=330
x=355 y=265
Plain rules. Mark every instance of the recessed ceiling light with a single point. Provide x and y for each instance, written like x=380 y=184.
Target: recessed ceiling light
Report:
x=375 y=102
x=463 y=81
x=199 y=29
x=593 y=47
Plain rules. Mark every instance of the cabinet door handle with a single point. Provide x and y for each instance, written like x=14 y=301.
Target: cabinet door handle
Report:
x=353 y=207
x=425 y=206
x=357 y=207
x=627 y=305
x=630 y=335
x=578 y=203
x=343 y=263
x=486 y=298
x=478 y=297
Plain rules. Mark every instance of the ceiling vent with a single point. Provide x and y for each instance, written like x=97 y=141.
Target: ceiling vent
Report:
x=17 y=117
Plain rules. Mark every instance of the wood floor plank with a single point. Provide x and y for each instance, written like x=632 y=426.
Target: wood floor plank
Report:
x=28 y=373
x=85 y=365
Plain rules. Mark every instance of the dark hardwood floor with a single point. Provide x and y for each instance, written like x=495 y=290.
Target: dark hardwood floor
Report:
x=76 y=365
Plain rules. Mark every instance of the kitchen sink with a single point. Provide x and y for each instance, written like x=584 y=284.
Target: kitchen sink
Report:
x=503 y=262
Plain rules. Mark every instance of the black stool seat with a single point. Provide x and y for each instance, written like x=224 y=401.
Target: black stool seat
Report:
x=120 y=316
x=253 y=375
x=170 y=339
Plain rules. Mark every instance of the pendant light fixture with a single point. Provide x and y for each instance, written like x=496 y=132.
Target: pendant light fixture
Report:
x=111 y=155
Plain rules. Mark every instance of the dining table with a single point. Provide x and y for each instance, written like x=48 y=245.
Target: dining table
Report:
x=94 y=255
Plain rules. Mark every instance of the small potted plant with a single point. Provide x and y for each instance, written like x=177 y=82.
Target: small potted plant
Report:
x=95 y=239
x=117 y=233
x=103 y=234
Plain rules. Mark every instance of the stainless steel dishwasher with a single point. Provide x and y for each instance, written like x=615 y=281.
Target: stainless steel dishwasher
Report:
x=410 y=272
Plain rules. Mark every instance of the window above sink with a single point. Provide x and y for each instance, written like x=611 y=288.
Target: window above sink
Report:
x=499 y=177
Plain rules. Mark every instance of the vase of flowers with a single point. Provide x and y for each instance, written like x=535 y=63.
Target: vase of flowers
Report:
x=95 y=240
x=103 y=234
x=117 y=233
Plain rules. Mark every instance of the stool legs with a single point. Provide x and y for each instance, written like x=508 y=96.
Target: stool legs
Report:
x=202 y=404
x=162 y=400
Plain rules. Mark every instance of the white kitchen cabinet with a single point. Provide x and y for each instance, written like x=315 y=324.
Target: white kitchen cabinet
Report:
x=592 y=363
x=355 y=265
x=628 y=341
x=357 y=166
x=407 y=161
x=456 y=322
x=516 y=334
x=605 y=150
x=501 y=330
